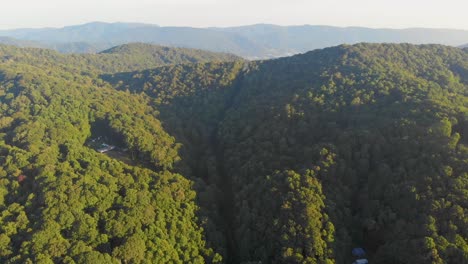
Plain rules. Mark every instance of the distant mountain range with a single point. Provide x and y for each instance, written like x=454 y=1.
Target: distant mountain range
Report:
x=253 y=41
x=21 y=42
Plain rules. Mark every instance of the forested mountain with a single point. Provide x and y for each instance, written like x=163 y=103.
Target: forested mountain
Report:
x=292 y=160
x=147 y=55
x=135 y=56
x=252 y=42
x=77 y=47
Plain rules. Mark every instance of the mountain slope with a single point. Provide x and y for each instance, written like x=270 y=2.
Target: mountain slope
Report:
x=62 y=201
x=123 y=58
x=358 y=119
x=138 y=52
x=315 y=154
x=253 y=41
x=292 y=160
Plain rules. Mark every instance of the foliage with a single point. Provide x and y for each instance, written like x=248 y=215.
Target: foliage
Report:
x=293 y=160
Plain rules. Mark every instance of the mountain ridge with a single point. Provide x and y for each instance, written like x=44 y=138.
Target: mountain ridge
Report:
x=119 y=58
x=251 y=41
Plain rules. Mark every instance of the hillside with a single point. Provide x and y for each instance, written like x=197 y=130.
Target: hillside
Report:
x=148 y=54
x=292 y=160
x=77 y=47
x=330 y=143
x=62 y=201
x=252 y=41
x=135 y=56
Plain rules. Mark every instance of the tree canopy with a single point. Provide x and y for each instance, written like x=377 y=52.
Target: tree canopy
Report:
x=292 y=160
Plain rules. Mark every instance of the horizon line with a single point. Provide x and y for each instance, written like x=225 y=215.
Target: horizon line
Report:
x=231 y=26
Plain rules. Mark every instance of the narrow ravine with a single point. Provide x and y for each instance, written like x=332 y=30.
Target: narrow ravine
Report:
x=226 y=202
x=225 y=180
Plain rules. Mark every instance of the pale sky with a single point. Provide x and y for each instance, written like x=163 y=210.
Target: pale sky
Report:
x=221 y=13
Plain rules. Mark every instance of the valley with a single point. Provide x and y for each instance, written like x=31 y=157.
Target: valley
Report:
x=221 y=160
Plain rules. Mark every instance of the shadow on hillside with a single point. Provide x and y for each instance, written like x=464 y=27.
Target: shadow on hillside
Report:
x=381 y=156
x=193 y=119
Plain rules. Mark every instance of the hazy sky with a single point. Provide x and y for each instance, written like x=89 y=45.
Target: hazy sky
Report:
x=204 y=13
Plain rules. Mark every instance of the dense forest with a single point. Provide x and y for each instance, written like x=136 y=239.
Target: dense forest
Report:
x=129 y=57
x=221 y=160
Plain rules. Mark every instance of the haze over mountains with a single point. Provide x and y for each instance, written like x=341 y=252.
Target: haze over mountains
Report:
x=252 y=42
